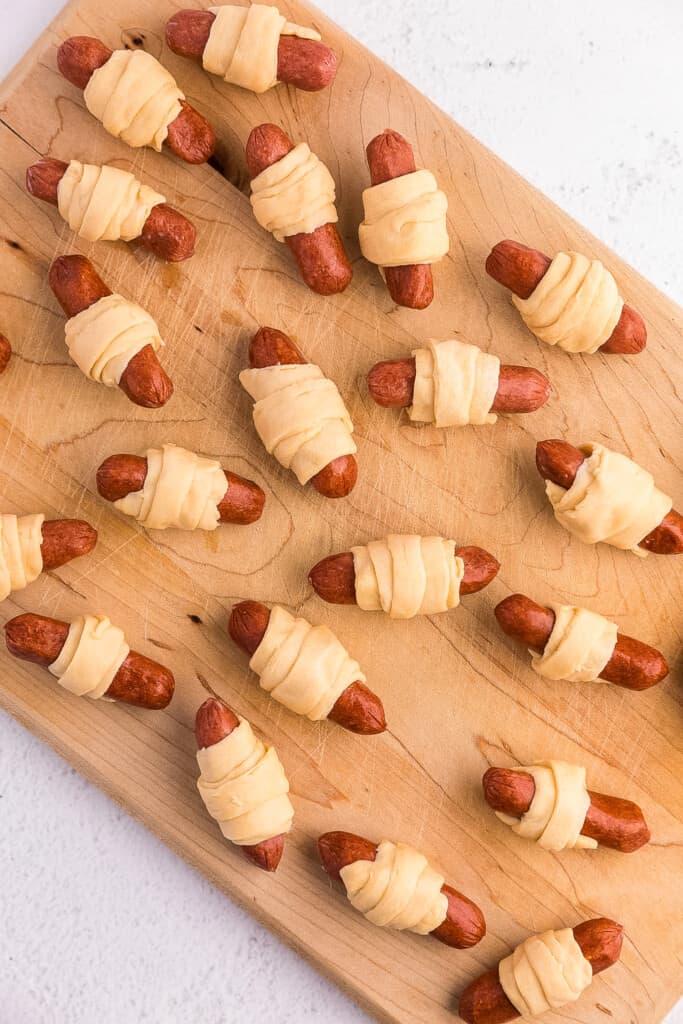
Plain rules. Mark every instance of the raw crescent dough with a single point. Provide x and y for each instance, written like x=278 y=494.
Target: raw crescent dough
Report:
x=397 y=890
x=558 y=810
x=92 y=654
x=103 y=338
x=455 y=384
x=408 y=575
x=243 y=43
x=304 y=667
x=580 y=645
x=575 y=305
x=295 y=195
x=299 y=416
x=21 y=558
x=103 y=203
x=405 y=221
x=545 y=972
x=612 y=499
x=134 y=97
x=244 y=787
x=182 y=491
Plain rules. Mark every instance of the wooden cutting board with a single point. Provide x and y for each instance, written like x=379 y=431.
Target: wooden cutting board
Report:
x=459 y=696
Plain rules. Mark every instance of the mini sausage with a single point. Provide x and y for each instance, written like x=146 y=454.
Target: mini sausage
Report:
x=304 y=63
x=633 y=665
x=213 y=722
x=76 y=286
x=5 y=353
x=611 y=821
x=520 y=388
x=484 y=1000
x=120 y=475
x=64 y=540
x=270 y=347
x=139 y=680
x=358 y=709
x=166 y=233
x=464 y=925
x=334 y=577
x=190 y=136
x=559 y=462
x=320 y=254
x=519 y=268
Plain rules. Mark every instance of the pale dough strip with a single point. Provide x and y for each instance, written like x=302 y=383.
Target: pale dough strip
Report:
x=295 y=195
x=455 y=384
x=243 y=44
x=407 y=575
x=103 y=338
x=405 y=221
x=580 y=645
x=558 y=810
x=397 y=890
x=244 y=787
x=93 y=652
x=21 y=558
x=304 y=667
x=102 y=203
x=545 y=972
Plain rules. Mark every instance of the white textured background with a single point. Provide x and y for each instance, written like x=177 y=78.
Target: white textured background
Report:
x=98 y=921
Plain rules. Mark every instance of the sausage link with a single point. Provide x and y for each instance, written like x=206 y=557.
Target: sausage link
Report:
x=334 y=577
x=304 y=63
x=213 y=722
x=190 y=136
x=76 y=286
x=320 y=254
x=559 y=462
x=166 y=233
x=64 y=540
x=139 y=680
x=464 y=925
x=484 y=1000
x=391 y=156
x=633 y=664
x=520 y=269
x=611 y=821
x=520 y=388
x=357 y=709
x=270 y=347
x=124 y=474
x=5 y=352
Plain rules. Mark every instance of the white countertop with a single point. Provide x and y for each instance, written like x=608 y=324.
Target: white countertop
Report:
x=100 y=921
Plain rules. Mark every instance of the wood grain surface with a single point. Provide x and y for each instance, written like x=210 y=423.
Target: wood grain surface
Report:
x=458 y=695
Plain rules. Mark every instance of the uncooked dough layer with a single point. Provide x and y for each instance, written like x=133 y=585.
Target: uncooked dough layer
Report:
x=408 y=575
x=304 y=667
x=21 y=559
x=93 y=652
x=134 y=97
x=243 y=43
x=558 y=810
x=244 y=787
x=295 y=195
x=575 y=305
x=398 y=889
x=299 y=416
x=405 y=221
x=182 y=491
x=455 y=384
x=579 y=646
x=612 y=500
x=545 y=972
x=103 y=203
x=103 y=338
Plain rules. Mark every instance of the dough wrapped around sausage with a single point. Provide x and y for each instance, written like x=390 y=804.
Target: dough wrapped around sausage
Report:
x=545 y=972
x=558 y=809
x=407 y=575
x=304 y=667
x=134 y=97
x=612 y=500
x=455 y=384
x=299 y=416
x=398 y=889
x=243 y=44
x=102 y=203
x=103 y=338
x=182 y=491
x=295 y=195
x=93 y=652
x=244 y=787
x=580 y=645
x=405 y=221
x=21 y=558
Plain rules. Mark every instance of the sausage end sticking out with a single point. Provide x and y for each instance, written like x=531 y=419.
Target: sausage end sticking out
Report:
x=168 y=234
x=79 y=56
x=213 y=722
x=190 y=136
x=65 y=539
x=43 y=178
x=5 y=353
